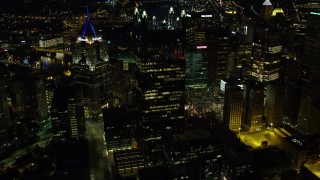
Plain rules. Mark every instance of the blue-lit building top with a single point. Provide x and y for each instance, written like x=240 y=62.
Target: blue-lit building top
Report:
x=90 y=58
x=89 y=49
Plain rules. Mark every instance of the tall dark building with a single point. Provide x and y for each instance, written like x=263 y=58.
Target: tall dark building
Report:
x=90 y=57
x=28 y=96
x=253 y=107
x=40 y=96
x=4 y=106
x=193 y=154
x=119 y=127
x=292 y=103
x=161 y=79
x=20 y=93
x=217 y=55
x=308 y=117
x=309 y=110
x=67 y=113
x=59 y=114
x=311 y=51
x=274 y=105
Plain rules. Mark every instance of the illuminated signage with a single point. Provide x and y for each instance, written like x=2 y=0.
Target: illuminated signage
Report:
x=82 y=39
x=202 y=47
x=206 y=15
x=315 y=13
x=96 y=38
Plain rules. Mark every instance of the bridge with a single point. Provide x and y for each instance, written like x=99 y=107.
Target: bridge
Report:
x=51 y=50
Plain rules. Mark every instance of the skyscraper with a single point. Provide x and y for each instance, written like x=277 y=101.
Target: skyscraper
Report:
x=90 y=57
x=274 y=105
x=196 y=53
x=309 y=110
x=266 y=9
x=76 y=123
x=161 y=79
x=218 y=44
x=311 y=51
x=196 y=70
x=40 y=93
x=67 y=112
x=253 y=107
x=28 y=94
x=233 y=107
x=4 y=107
x=59 y=114
x=266 y=54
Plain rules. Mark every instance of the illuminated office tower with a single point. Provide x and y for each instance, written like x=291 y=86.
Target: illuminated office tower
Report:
x=76 y=123
x=90 y=57
x=196 y=28
x=266 y=10
x=50 y=85
x=121 y=81
x=196 y=70
x=243 y=48
x=274 y=104
x=161 y=79
x=243 y=59
x=266 y=54
x=4 y=106
x=253 y=107
x=196 y=53
x=233 y=107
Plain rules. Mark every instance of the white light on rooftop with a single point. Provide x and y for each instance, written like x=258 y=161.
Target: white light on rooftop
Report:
x=82 y=39
x=144 y=14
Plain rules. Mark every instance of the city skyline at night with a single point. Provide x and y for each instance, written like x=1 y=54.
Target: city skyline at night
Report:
x=160 y=90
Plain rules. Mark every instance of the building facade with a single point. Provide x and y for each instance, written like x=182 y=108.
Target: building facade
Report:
x=266 y=56
x=253 y=119
x=4 y=106
x=161 y=78
x=233 y=107
x=90 y=56
x=274 y=104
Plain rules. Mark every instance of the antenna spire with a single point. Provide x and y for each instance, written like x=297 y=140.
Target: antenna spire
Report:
x=88 y=22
